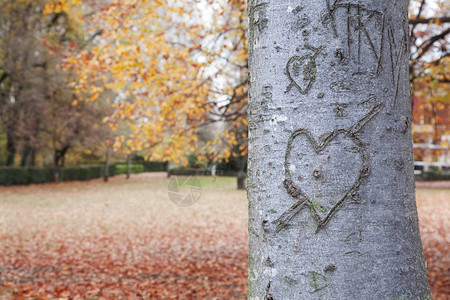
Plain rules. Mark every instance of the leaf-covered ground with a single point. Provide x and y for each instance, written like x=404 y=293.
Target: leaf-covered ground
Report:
x=126 y=240
x=433 y=205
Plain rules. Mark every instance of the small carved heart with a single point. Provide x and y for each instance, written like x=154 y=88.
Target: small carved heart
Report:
x=302 y=71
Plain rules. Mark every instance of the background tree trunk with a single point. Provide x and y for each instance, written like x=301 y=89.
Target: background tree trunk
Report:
x=332 y=210
x=58 y=161
x=27 y=156
x=106 y=171
x=10 y=149
x=128 y=165
x=242 y=172
x=56 y=166
x=241 y=176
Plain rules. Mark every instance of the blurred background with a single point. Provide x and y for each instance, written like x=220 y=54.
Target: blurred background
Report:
x=146 y=95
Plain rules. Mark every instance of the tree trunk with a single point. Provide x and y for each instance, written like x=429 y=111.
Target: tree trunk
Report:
x=128 y=165
x=56 y=166
x=106 y=171
x=242 y=173
x=332 y=212
x=63 y=160
x=58 y=161
x=10 y=149
x=56 y=173
x=33 y=158
x=28 y=157
x=25 y=159
x=241 y=176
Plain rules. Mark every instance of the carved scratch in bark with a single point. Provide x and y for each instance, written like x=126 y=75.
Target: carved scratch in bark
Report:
x=268 y=295
x=357 y=20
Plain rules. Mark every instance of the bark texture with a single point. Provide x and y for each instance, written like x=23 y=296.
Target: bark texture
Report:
x=332 y=211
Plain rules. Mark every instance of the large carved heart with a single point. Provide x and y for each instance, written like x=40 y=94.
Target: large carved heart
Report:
x=322 y=212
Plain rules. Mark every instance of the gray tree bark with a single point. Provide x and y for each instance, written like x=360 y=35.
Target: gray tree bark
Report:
x=332 y=211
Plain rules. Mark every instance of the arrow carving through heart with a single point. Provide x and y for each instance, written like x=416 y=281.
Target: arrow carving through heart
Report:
x=318 y=146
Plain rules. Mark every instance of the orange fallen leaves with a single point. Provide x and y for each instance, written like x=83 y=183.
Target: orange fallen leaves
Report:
x=124 y=240
x=123 y=266
x=434 y=221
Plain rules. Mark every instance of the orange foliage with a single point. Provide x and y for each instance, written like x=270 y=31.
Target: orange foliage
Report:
x=165 y=64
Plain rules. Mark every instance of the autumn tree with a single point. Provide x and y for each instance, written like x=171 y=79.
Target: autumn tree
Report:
x=133 y=58
x=332 y=209
x=39 y=110
x=429 y=31
x=173 y=71
x=19 y=69
x=202 y=63
x=429 y=73
x=228 y=98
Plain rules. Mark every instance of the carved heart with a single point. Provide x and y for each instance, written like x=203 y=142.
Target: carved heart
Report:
x=320 y=215
x=303 y=199
x=306 y=66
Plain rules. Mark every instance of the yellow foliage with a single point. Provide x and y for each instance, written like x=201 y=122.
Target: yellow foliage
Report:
x=94 y=96
x=164 y=85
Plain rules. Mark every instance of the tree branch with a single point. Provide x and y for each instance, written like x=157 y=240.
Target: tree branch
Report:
x=413 y=37
x=3 y=77
x=90 y=13
x=91 y=38
x=428 y=43
x=441 y=20
x=54 y=19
